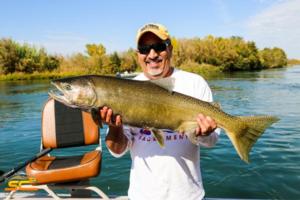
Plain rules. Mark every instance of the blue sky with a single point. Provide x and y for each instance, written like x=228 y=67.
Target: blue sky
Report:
x=65 y=26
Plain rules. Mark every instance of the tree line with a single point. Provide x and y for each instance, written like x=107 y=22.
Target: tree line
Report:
x=224 y=54
x=15 y=57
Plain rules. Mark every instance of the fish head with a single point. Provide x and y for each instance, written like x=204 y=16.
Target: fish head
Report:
x=77 y=92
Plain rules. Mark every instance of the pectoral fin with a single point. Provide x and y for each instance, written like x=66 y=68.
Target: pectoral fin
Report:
x=189 y=129
x=159 y=136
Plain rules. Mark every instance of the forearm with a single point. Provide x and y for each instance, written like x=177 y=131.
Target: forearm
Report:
x=115 y=140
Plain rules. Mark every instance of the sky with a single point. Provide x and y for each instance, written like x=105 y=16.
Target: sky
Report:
x=66 y=26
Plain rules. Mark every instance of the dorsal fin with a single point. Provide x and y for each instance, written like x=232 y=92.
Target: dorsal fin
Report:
x=167 y=83
x=216 y=104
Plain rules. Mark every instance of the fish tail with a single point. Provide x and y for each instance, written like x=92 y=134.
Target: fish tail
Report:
x=246 y=131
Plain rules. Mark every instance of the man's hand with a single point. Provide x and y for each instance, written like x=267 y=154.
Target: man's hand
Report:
x=115 y=140
x=109 y=118
x=206 y=125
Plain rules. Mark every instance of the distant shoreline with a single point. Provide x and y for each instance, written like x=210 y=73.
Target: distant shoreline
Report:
x=36 y=76
x=209 y=56
x=207 y=73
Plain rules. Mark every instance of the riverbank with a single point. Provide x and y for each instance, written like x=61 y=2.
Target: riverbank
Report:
x=206 y=71
x=203 y=70
x=43 y=76
x=35 y=76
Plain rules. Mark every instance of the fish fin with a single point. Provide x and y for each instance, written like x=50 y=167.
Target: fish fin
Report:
x=166 y=83
x=159 y=136
x=244 y=138
x=216 y=104
x=96 y=116
x=189 y=129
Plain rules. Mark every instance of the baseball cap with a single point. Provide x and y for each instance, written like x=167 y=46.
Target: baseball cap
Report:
x=158 y=29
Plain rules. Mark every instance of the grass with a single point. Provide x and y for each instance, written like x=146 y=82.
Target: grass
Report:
x=37 y=76
x=207 y=71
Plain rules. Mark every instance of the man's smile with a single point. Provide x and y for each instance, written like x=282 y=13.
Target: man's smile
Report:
x=153 y=63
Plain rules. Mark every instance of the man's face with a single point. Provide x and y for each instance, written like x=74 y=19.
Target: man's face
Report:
x=155 y=63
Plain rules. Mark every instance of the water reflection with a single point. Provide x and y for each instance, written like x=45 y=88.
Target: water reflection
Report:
x=254 y=76
x=23 y=87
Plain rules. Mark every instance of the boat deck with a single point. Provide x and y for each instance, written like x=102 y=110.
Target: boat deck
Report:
x=27 y=196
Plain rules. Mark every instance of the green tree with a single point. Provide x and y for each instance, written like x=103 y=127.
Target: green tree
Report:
x=9 y=58
x=24 y=58
x=98 y=61
x=51 y=63
x=95 y=50
x=115 y=63
x=272 y=58
x=128 y=61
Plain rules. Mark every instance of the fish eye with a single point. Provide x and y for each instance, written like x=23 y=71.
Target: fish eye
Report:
x=68 y=87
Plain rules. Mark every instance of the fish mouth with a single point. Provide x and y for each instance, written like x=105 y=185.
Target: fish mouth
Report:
x=59 y=95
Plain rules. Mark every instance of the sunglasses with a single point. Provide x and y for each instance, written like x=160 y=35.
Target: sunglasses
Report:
x=158 y=47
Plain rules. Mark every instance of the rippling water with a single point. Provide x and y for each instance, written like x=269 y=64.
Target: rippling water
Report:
x=274 y=171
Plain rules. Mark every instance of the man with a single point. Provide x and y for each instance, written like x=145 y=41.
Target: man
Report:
x=172 y=172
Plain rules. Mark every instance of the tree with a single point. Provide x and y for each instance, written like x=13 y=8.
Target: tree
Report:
x=95 y=50
x=24 y=58
x=115 y=63
x=128 y=61
x=272 y=58
x=98 y=60
x=9 y=58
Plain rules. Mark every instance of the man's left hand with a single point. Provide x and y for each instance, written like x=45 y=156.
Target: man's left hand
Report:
x=206 y=125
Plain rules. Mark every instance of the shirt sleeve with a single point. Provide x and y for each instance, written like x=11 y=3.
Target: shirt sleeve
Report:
x=209 y=141
x=128 y=134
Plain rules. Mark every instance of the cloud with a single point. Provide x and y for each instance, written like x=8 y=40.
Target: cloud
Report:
x=277 y=25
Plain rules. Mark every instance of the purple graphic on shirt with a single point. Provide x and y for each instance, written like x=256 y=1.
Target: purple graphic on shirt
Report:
x=145 y=131
x=145 y=135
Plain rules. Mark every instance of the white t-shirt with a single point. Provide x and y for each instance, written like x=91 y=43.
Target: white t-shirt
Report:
x=172 y=172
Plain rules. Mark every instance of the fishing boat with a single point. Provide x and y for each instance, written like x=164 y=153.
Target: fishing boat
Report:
x=27 y=196
x=127 y=75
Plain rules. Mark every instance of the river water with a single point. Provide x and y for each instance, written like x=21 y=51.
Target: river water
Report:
x=274 y=170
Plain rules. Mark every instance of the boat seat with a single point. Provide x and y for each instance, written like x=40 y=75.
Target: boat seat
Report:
x=63 y=127
x=51 y=169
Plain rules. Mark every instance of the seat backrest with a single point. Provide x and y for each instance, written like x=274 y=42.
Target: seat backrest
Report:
x=63 y=126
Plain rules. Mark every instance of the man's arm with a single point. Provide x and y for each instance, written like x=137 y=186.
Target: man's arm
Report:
x=115 y=140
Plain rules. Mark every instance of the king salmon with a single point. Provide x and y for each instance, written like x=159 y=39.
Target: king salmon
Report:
x=153 y=105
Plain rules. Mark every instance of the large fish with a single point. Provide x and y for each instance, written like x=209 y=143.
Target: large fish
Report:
x=153 y=105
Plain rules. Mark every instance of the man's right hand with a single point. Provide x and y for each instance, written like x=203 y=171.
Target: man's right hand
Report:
x=115 y=140
x=109 y=118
